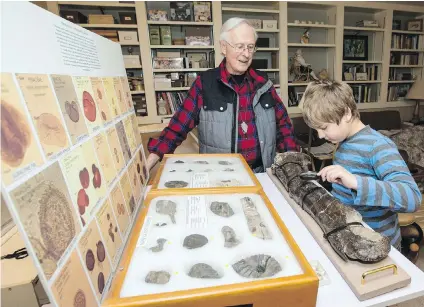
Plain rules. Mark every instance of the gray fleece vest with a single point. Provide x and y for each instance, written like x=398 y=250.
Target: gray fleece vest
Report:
x=216 y=117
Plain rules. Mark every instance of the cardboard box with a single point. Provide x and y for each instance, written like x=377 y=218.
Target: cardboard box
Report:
x=128 y=36
x=269 y=24
x=100 y=19
x=154 y=35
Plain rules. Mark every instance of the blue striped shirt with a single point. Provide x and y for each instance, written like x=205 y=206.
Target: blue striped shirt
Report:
x=385 y=185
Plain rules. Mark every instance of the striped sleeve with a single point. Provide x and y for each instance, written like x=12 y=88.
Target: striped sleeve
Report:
x=395 y=189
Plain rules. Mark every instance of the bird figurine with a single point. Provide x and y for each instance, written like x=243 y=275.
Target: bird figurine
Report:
x=323 y=74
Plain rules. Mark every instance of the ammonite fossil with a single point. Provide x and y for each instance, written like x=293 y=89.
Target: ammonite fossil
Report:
x=101 y=282
x=101 y=253
x=15 y=135
x=257 y=266
x=79 y=299
x=72 y=110
x=89 y=106
x=56 y=221
x=90 y=260
x=50 y=130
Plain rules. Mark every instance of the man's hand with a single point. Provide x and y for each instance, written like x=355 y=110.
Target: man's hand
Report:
x=152 y=159
x=337 y=174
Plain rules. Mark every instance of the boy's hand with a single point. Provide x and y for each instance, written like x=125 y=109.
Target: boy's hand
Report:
x=337 y=174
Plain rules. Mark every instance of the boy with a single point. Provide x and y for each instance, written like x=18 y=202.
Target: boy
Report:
x=368 y=172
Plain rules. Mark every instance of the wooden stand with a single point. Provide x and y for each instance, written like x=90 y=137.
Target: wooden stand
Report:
x=365 y=280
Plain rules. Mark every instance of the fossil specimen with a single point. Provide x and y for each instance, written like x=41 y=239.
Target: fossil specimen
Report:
x=101 y=282
x=229 y=169
x=228 y=183
x=72 y=110
x=341 y=224
x=189 y=170
x=176 y=184
x=157 y=277
x=167 y=207
x=159 y=247
x=160 y=224
x=229 y=236
x=201 y=162
x=172 y=171
x=15 y=135
x=254 y=220
x=179 y=162
x=203 y=270
x=222 y=209
x=50 y=130
x=194 y=241
x=79 y=299
x=101 y=253
x=97 y=179
x=257 y=266
x=56 y=222
x=224 y=163
x=132 y=204
x=90 y=260
x=89 y=106
x=82 y=201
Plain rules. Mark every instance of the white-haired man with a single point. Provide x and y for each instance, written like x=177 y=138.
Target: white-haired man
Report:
x=235 y=107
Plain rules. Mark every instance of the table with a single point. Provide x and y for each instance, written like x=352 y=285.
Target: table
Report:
x=338 y=293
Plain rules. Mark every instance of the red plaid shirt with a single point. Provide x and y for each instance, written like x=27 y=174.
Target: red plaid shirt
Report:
x=187 y=117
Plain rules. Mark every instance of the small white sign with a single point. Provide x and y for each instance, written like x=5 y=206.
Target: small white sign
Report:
x=200 y=180
x=196 y=212
x=142 y=240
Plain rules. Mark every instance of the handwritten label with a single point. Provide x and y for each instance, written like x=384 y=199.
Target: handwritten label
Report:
x=196 y=212
x=200 y=180
x=142 y=240
x=23 y=171
x=82 y=138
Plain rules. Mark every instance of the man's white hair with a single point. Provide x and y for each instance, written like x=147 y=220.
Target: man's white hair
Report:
x=233 y=23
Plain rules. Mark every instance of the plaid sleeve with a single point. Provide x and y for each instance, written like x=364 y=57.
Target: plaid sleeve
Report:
x=286 y=140
x=186 y=117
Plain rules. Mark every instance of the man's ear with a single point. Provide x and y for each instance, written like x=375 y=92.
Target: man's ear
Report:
x=223 y=48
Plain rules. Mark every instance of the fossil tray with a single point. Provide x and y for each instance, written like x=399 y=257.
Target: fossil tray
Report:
x=191 y=171
x=192 y=214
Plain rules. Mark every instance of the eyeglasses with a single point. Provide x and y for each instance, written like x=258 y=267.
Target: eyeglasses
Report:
x=241 y=47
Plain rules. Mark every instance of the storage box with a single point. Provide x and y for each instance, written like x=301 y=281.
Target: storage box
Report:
x=256 y=23
x=202 y=11
x=269 y=24
x=157 y=15
x=165 y=35
x=127 y=18
x=132 y=60
x=181 y=11
x=100 y=19
x=154 y=35
x=128 y=36
x=204 y=172
x=74 y=16
x=291 y=282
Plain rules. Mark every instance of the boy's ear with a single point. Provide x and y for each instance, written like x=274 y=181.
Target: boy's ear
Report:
x=348 y=114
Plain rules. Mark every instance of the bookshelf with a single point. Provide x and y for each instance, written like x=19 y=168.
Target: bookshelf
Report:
x=327 y=23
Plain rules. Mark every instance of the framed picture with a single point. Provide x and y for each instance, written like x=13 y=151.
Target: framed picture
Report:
x=357 y=92
x=299 y=96
x=197 y=59
x=415 y=25
x=348 y=76
x=361 y=76
x=355 y=47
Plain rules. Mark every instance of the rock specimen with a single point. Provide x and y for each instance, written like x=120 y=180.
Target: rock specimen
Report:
x=176 y=184
x=222 y=209
x=229 y=236
x=228 y=183
x=201 y=162
x=157 y=277
x=194 y=241
x=229 y=169
x=167 y=207
x=160 y=224
x=254 y=220
x=89 y=260
x=101 y=253
x=257 y=266
x=224 y=163
x=101 y=282
x=179 y=162
x=159 y=247
x=203 y=270
x=340 y=224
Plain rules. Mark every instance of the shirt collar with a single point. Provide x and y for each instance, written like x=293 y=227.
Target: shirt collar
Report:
x=251 y=75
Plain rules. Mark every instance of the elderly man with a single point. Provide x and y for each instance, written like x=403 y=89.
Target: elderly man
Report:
x=235 y=107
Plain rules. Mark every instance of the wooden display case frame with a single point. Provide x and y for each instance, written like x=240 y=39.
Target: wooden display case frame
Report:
x=298 y=290
x=178 y=191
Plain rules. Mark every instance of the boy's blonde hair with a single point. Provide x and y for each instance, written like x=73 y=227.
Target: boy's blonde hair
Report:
x=327 y=101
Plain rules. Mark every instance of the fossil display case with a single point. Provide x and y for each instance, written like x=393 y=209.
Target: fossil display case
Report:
x=179 y=173
x=212 y=248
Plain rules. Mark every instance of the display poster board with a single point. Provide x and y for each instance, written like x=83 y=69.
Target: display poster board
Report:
x=72 y=163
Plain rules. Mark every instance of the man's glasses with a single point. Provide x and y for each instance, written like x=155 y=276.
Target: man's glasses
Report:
x=239 y=48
